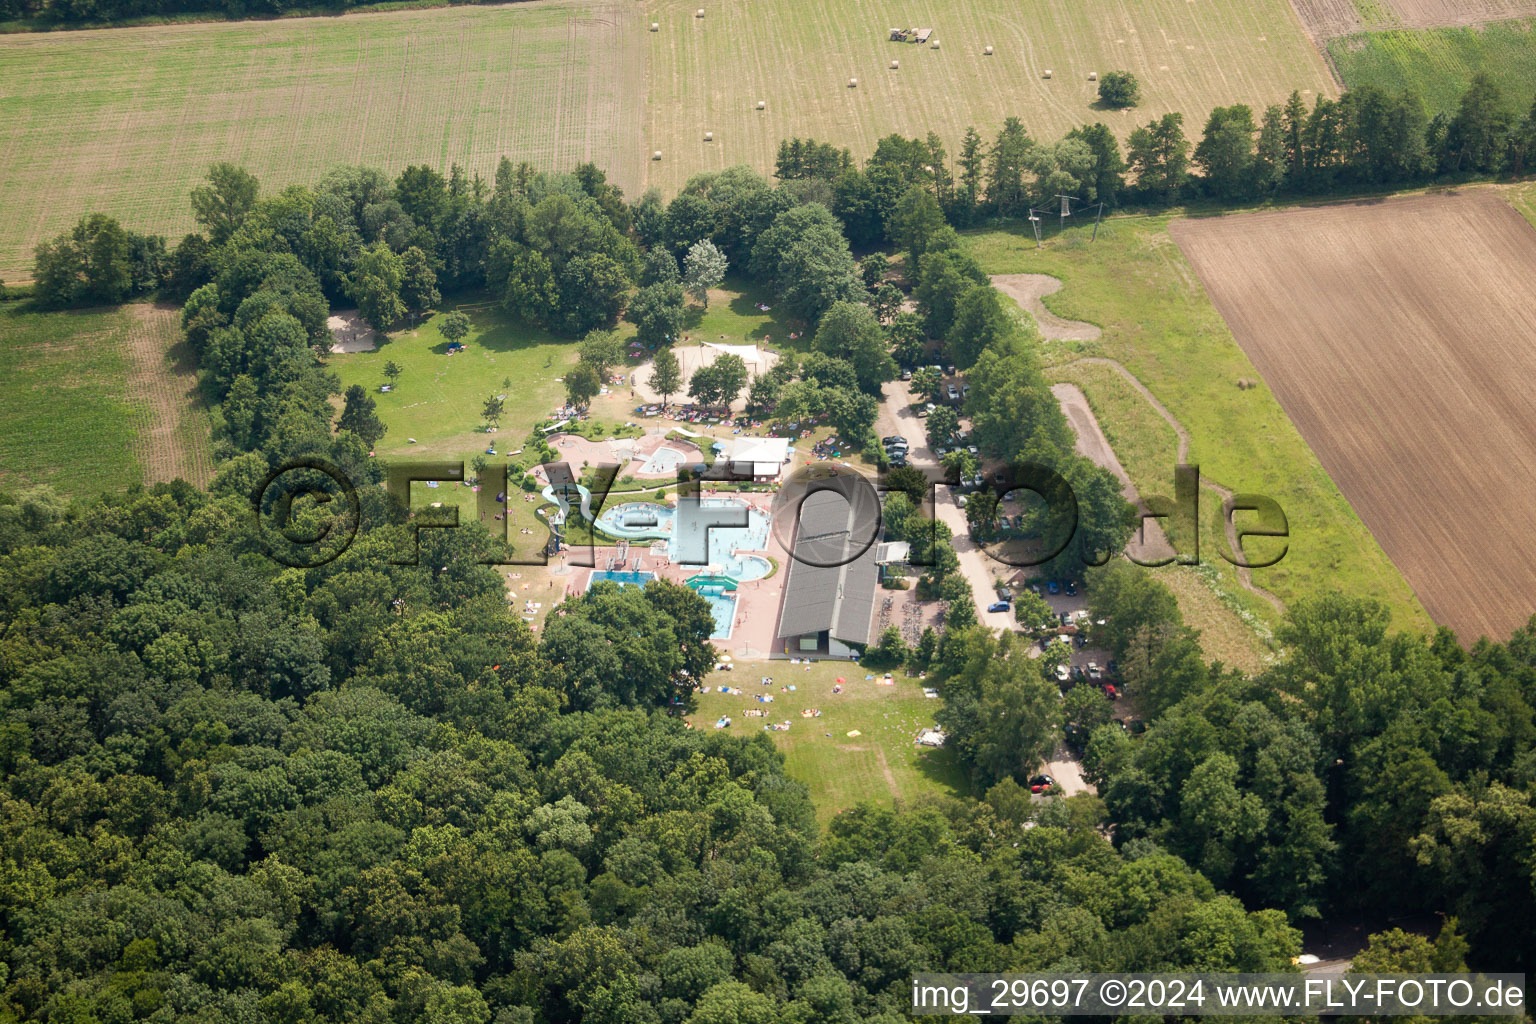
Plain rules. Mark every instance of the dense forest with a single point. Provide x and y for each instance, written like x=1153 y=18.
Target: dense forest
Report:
x=364 y=791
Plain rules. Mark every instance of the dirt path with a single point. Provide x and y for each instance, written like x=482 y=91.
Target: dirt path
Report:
x=1027 y=290
x=1244 y=576
x=173 y=428
x=1149 y=544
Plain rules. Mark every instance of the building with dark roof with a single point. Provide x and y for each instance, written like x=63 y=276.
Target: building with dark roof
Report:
x=829 y=597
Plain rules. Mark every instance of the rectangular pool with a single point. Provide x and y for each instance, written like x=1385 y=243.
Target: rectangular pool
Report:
x=623 y=579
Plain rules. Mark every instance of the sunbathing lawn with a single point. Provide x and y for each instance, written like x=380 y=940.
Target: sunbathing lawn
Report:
x=882 y=764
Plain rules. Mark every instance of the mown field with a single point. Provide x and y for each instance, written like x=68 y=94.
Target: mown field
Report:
x=707 y=74
x=96 y=400
x=1159 y=323
x=882 y=764
x=65 y=415
x=1438 y=63
x=126 y=121
x=1406 y=370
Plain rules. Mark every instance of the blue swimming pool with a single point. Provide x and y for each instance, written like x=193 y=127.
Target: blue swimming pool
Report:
x=723 y=607
x=700 y=533
x=623 y=579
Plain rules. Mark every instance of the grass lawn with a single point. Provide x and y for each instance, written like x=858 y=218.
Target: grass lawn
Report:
x=66 y=415
x=1438 y=63
x=883 y=764
x=439 y=398
x=1157 y=321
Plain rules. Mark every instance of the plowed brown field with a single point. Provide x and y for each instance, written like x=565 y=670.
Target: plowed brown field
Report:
x=1400 y=337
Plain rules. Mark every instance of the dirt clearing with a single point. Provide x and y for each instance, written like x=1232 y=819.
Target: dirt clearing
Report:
x=1399 y=337
x=1325 y=19
x=1027 y=290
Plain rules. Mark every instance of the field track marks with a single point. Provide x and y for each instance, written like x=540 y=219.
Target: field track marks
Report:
x=1244 y=576
x=172 y=421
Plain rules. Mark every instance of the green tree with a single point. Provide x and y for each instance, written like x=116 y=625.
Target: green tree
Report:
x=358 y=416
x=805 y=258
x=418 y=281
x=454 y=326
x=1225 y=152
x=1159 y=155
x=666 y=374
x=851 y=332
x=392 y=371
x=657 y=312
x=89 y=265
x=375 y=286
x=981 y=321
x=1119 y=89
x=222 y=204
x=703 y=268
x=602 y=350
x=582 y=384
x=492 y=409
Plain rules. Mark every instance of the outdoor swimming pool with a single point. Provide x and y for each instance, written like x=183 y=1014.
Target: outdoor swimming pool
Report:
x=663 y=462
x=723 y=607
x=698 y=533
x=623 y=579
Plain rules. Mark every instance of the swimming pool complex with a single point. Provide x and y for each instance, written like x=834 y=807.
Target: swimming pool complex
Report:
x=698 y=533
x=663 y=462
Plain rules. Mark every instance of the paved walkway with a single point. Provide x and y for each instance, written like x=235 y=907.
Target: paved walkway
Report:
x=896 y=417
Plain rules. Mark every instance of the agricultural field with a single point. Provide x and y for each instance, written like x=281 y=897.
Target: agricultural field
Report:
x=1438 y=63
x=883 y=764
x=97 y=400
x=1159 y=323
x=707 y=74
x=126 y=121
x=1325 y=19
x=1406 y=370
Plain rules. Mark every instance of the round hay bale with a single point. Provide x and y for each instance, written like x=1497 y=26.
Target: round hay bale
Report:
x=989 y=51
x=655 y=26
x=1047 y=73
x=762 y=104
x=1093 y=76
x=699 y=13
x=656 y=155
x=853 y=83
x=935 y=44
x=709 y=136
x=895 y=65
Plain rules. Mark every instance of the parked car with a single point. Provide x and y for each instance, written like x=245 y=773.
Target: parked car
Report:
x=1063 y=673
x=962 y=501
x=1071 y=589
x=950 y=370
x=1094 y=672
x=965 y=391
x=953 y=393
x=892 y=439
x=998 y=606
x=1003 y=593
x=973 y=449
x=1000 y=476
x=906 y=374
x=1111 y=692
x=1042 y=784
x=1053 y=587
x=978 y=480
